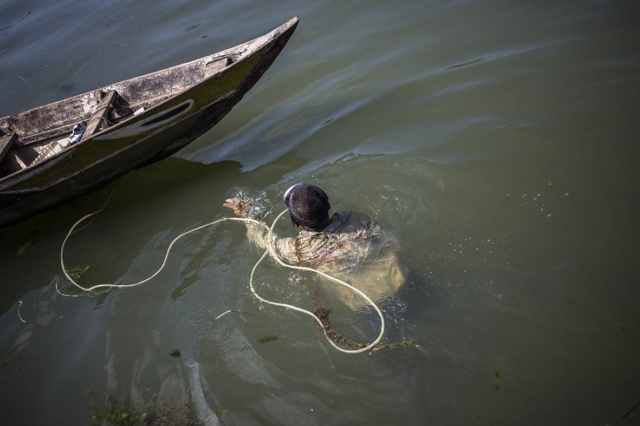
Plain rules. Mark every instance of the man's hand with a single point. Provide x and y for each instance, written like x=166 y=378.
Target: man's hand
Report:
x=237 y=206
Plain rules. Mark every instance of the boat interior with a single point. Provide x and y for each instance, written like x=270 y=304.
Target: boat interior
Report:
x=31 y=137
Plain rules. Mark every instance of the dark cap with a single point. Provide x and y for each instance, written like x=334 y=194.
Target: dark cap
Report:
x=308 y=205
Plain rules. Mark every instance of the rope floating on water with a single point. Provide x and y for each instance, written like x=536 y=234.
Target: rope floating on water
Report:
x=64 y=270
x=237 y=312
x=304 y=268
x=68 y=295
x=19 y=306
x=253 y=291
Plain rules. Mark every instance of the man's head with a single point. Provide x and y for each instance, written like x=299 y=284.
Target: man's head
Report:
x=308 y=206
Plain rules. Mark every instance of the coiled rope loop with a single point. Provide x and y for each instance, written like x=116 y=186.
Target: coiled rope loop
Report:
x=253 y=291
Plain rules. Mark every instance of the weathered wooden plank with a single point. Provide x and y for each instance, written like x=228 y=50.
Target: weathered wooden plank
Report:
x=47 y=134
x=7 y=138
x=215 y=65
x=99 y=117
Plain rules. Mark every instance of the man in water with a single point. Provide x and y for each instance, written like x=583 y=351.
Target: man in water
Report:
x=335 y=244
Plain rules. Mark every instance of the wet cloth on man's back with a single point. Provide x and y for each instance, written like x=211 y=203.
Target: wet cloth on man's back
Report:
x=349 y=227
x=352 y=248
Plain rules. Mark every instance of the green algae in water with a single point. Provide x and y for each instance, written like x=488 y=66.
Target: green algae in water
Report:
x=109 y=410
x=268 y=338
x=77 y=273
x=331 y=405
x=393 y=345
x=220 y=413
x=323 y=314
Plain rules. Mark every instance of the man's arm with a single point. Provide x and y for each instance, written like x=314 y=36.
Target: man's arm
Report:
x=258 y=234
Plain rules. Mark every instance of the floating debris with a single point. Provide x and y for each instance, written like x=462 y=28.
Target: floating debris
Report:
x=174 y=353
x=331 y=405
x=323 y=314
x=621 y=328
x=217 y=360
x=161 y=245
x=497 y=381
x=268 y=338
x=191 y=28
x=570 y=301
x=66 y=88
x=26 y=247
x=220 y=413
x=392 y=345
x=77 y=273
x=3 y=362
x=108 y=410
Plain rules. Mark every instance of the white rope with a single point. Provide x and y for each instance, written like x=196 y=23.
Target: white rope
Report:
x=269 y=250
x=304 y=268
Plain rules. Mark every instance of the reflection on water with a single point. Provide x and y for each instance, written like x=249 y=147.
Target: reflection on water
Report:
x=492 y=141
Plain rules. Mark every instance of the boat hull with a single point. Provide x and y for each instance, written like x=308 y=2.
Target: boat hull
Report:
x=143 y=140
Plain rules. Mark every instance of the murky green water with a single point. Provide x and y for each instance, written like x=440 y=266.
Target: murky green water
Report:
x=494 y=140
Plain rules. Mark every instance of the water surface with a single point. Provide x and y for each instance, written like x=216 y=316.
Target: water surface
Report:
x=496 y=141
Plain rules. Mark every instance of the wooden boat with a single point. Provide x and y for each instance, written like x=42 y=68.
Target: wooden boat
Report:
x=128 y=125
